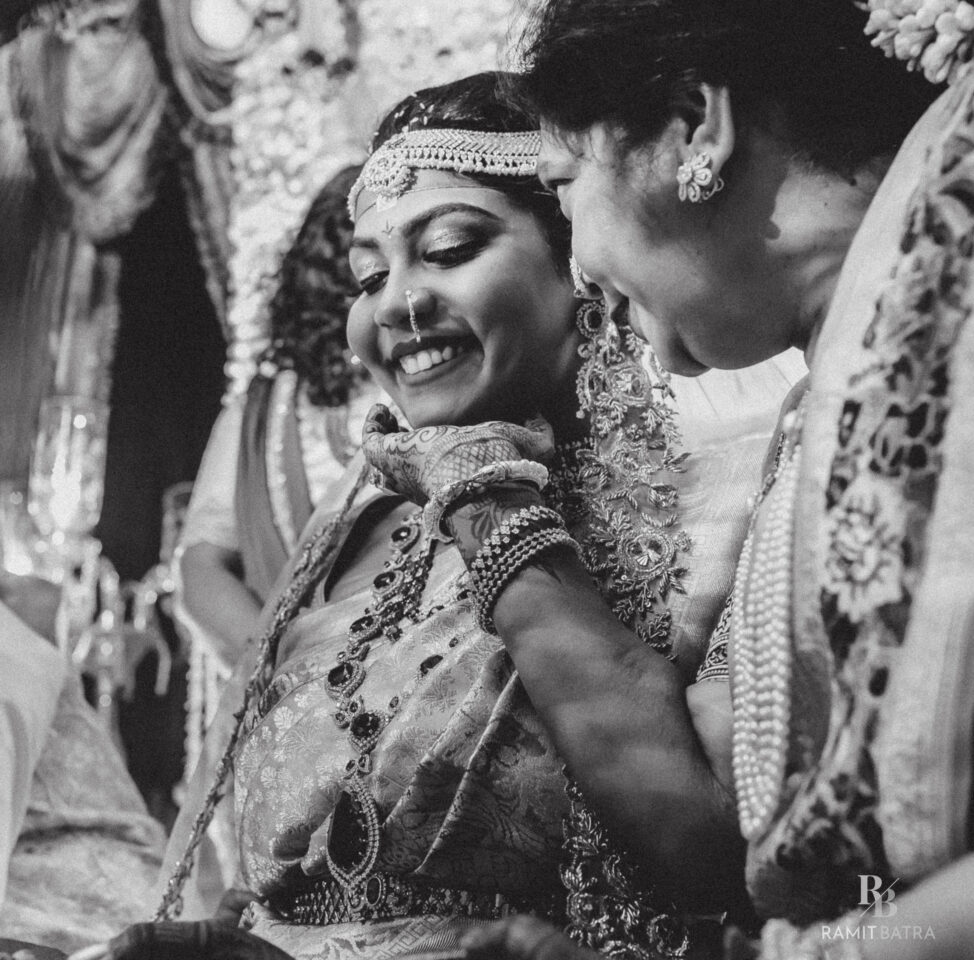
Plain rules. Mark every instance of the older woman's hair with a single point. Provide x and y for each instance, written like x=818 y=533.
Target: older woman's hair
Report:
x=316 y=287
x=481 y=102
x=803 y=67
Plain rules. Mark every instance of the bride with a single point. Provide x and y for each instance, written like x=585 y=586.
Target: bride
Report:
x=397 y=769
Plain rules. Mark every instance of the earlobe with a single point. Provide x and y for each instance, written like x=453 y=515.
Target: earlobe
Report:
x=707 y=148
x=714 y=135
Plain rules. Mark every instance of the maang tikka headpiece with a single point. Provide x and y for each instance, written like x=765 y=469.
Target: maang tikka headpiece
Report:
x=391 y=169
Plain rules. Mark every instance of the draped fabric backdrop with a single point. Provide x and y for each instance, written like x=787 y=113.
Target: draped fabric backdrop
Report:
x=255 y=110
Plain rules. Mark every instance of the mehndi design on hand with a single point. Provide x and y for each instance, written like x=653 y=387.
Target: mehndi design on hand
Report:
x=418 y=463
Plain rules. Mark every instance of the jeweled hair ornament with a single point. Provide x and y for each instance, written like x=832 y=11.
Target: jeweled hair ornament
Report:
x=391 y=169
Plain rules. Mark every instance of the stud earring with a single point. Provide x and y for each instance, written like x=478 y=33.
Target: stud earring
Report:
x=412 y=316
x=696 y=180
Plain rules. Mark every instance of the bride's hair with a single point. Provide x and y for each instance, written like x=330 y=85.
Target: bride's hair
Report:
x=803 y=64
x=480 y=102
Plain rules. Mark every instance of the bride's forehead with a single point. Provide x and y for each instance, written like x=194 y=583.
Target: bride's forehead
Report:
x=430 y=194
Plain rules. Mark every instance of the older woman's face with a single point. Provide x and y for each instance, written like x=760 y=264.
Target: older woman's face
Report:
x=697 y=280
x=496 y=317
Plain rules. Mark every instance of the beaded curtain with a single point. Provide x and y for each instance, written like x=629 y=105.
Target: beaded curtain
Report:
x=298 y=118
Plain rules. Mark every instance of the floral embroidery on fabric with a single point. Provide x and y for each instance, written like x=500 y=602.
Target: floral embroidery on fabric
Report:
x=607 y=906
x=616 y=494
x=618 y=491
x=865 y=563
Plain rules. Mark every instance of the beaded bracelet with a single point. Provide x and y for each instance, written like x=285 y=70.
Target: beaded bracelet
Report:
x=493 y=475
x=515 y=544
x=527 y=519
x=522 y=553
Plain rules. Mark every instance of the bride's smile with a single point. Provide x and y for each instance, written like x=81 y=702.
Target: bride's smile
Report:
x=464 y=315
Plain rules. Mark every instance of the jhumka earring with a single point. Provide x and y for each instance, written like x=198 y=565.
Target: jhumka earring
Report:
x=412 y=316
x=696 y=179
x=582 y=288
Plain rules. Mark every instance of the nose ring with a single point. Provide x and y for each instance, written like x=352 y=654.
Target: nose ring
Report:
x=412 y=315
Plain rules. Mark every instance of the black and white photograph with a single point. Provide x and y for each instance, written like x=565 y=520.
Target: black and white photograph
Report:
x=486 y=480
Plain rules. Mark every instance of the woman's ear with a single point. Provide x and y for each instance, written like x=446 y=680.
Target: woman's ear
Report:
x=714 y=133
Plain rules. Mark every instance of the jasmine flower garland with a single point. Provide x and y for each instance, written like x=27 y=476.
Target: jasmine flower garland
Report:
x=935 y=36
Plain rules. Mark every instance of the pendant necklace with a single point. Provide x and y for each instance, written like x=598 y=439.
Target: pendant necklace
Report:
x=353 y=828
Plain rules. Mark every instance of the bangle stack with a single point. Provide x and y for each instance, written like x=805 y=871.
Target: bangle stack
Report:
x=517 y=542
x=452 y=494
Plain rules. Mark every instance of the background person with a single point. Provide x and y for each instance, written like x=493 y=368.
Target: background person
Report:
x=274 y=454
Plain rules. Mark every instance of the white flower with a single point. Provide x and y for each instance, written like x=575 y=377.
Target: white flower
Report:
x=864 y=564
x=965 y=16
x=935 y=36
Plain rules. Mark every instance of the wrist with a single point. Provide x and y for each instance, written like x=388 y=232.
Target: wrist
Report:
x=518 y=542
x=471 y=522
x=483 y=482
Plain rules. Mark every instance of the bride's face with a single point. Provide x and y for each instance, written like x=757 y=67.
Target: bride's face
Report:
x=496 y=317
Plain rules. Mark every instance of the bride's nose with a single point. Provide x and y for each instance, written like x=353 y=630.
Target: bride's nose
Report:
x=404 y=307
x=393 y=307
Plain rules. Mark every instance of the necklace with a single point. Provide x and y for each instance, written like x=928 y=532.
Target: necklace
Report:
x=762 y=644
x=352 y=828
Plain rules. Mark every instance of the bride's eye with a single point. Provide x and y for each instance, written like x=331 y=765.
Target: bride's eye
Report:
x=372 y=283
x=454 y=250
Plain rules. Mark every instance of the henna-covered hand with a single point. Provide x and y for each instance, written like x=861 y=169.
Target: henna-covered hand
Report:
x=417 y=463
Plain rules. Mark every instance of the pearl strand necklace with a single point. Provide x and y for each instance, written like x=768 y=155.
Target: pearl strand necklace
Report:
x=761 y=638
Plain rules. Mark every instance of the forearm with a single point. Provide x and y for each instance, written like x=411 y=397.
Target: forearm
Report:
x=617 y=711
x=217 y=599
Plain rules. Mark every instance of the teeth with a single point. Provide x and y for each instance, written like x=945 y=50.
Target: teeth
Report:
x=427 y=359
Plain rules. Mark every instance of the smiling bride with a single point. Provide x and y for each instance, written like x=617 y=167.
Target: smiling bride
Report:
x=398 y=772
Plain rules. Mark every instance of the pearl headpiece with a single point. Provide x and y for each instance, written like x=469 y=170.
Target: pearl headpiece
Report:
x=390 y=170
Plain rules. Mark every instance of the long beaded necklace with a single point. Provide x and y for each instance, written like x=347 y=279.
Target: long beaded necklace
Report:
x=761 y=632
x=353 y=828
